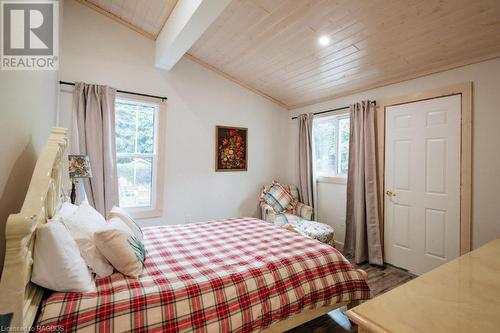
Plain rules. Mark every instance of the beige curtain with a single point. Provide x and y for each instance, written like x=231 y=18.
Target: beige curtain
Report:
x=362 y=238
x=306 y=172
x=94 y=112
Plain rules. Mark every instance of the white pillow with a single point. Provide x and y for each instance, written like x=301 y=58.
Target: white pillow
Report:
x=67 y=209
x=82 y=225
x=128 y=220
x=57 y=264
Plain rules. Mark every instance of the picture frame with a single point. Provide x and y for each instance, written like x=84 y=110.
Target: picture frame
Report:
x=231 y=148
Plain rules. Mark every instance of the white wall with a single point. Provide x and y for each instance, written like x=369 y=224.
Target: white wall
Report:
x=486 y=140
x=28 y=102
x=28 y=108
x=331 y=207
x=98 y=50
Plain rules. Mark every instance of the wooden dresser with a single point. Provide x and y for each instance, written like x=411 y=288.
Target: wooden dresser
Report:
x=462 y=296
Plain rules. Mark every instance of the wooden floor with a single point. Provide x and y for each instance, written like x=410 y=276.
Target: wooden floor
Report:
x=379 y=280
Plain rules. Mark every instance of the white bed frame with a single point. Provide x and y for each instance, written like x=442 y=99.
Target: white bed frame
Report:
x=20 y=297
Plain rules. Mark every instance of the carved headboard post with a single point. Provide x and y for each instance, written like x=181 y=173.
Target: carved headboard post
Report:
x=19 y=297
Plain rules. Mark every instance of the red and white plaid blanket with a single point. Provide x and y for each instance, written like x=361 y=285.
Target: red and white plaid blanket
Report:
x=235 y=275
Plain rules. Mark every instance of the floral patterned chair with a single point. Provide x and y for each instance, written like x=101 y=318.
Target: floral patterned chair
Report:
x=295 y=214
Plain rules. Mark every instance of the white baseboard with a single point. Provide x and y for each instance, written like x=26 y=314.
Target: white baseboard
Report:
x=339 y=246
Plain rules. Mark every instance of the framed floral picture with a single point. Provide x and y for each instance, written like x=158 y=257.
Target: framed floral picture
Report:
x=231 y=149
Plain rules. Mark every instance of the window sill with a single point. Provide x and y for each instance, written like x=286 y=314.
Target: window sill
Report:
x=341 y=180
x=144 y=213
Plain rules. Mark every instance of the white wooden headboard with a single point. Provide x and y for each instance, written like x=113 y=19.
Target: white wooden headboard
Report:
x=19 y=297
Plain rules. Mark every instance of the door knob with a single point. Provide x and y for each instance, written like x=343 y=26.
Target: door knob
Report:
x=390 y=193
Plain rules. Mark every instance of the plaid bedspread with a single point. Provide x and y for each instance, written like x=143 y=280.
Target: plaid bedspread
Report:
x=235 y=275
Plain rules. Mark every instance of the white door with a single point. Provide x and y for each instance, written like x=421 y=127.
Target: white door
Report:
x=422 y=183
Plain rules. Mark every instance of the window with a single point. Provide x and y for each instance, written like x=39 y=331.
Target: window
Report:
x=136 y=127
x=331 y=145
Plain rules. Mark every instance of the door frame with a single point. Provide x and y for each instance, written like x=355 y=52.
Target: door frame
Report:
x=465 y=90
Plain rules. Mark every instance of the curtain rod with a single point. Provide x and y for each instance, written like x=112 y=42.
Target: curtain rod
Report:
x=123 y=92
x=333 y=110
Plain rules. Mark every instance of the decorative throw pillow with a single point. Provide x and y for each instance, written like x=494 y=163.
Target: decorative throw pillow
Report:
x=128 y=220
x=278 y=198
x=82 y=224
x=57 y=264
x=121 y=247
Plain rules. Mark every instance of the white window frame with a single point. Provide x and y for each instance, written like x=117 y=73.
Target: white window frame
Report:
x=338 y=178
x=156 y=207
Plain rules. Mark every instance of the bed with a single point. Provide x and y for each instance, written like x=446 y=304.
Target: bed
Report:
x=233 y=275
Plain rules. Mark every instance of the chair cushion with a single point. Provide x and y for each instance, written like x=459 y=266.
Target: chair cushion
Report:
x=285 y=219
x=279 y=198
x=316 y=230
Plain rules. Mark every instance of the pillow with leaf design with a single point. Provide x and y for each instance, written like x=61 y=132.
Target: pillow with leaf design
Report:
x=128 y=220
x=123 y=249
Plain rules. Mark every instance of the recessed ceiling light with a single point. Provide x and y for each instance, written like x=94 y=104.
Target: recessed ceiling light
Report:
x=324 y=40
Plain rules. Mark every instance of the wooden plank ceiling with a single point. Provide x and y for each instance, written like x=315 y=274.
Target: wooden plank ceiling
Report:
x=144 y=16
x=272 y=46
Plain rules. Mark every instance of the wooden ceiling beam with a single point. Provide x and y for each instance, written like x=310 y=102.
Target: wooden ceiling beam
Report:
x=187 y=22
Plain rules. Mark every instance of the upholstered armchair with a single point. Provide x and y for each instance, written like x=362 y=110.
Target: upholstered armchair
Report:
x=299 y=217
x=302 y=211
